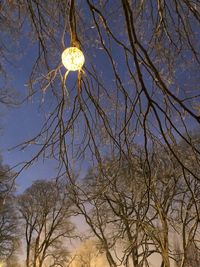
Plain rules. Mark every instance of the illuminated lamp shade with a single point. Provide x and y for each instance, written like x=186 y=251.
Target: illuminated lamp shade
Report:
x=73 y=58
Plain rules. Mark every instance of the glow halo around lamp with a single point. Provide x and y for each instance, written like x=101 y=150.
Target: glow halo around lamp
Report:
x=73 y=59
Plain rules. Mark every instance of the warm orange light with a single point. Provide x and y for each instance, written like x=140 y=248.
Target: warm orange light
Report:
x=73 y=58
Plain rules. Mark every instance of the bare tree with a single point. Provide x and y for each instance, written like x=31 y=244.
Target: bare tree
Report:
x=8 y=217
x=88 y=254
x=144 y=95
x=138 y=88
x=134 y=219
x=115 y=206
x=192 y=258
x=45 y=211
x=10 y=32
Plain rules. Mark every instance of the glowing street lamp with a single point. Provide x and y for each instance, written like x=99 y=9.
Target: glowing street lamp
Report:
x=73 y=59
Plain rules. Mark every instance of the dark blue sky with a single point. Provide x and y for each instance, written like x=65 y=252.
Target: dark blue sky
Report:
x=19 y=124
x=24 y=122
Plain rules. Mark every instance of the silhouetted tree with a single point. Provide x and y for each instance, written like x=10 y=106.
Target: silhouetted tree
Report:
x=8 y=217
x=146 y=94
x=88 y=254
x=138 y=88
x=45 y=211
x=134 y=219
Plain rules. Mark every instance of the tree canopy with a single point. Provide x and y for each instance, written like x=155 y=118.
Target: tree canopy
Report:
x=139 y=84
x=45 y=212
x=131 y=113
x=9 y=237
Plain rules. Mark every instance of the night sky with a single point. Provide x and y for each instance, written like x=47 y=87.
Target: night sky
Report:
x=23 y=122
x=124 y=139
